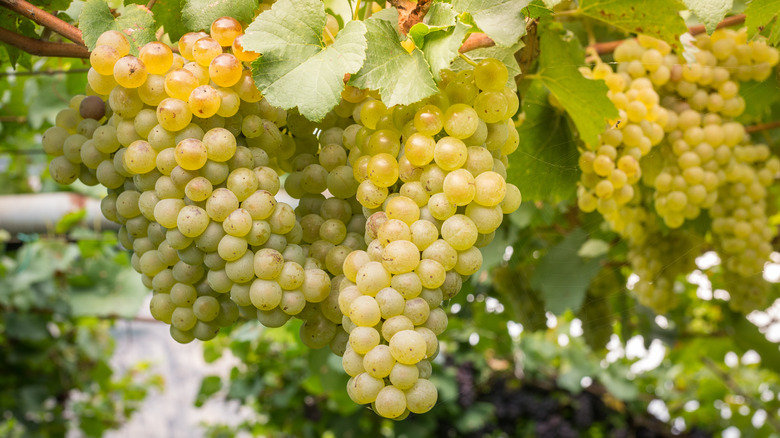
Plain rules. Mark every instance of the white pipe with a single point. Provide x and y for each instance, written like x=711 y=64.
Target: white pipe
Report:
x=39 y=213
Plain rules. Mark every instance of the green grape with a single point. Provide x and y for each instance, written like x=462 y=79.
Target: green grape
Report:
x=238 y=223
x=423 y=233
x=265 y=294
x=370 y=113
x=363 y=339
x=101 y=84
x=512 y=199
x=383 y=141
x=220 y=204
x=421 y=397
x=333 y=230
x=125 y=102
x=461 y=121
x=400 y=256
x=469 y=261
x=204 y=101
x=461 y=91
x=391 y=302
x=232 y=248
x=490 y=189
x=450 y=153
x=173 y=114
x=272 y=318
x=419 y=149
x=429 y=120
x=431 y=273
x=225 y=70
x=370 y=195
x=407 y=347
x=440 y=207
x=491 y=75
x=459 y=231
x=382 y=170
x=191 y=154
x=140 y=157
x=102 y=59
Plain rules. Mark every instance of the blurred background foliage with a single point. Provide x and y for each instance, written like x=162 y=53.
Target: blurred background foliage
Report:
x=546 y=340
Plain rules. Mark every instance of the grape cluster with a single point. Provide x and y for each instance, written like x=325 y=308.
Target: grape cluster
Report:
x=702 y=160
x=392 y=207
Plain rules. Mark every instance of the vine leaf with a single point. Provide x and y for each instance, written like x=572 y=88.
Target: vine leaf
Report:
x=759 y=14
x=134 y=21
x=297 y=69
x=562 y=276
x=440 y=17
x=439 y=37
x=168 y=15
x=584 y=99
x=544 y=165
x=199 y=14
x=656 y=18
x=710 y=12
x=501 y=20
x=401 y=77
x=440 y=48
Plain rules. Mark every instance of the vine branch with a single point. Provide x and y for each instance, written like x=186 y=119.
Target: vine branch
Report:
x=44 y=18
x=42 y=48
x=609 y=46
x=45 y=72
x=762 y=126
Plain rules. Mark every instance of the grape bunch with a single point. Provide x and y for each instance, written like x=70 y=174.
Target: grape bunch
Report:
x=388 y=208
x=701 y=160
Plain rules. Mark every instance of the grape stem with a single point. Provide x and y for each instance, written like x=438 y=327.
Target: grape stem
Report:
x=609 y=46
x=44 y=18
x=356 y=15
x=467 y=59
x=150 y=4
x=42 y=48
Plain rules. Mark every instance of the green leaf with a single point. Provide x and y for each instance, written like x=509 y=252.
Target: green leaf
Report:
x=69 y=220
x=593 y=248
x=710 y=12
x=296 y=68
x=199 y=14
x=440 y=48
x=208 y=387
x=759 y=97
x=759 y=13
x=439 y=18
x=656 y=18
x=585 y=100
x=504 y=54
x=746 y=336
x=167 y=13
x=562 y=276
x=618 y=386
x=401 y=77
x=135 y=21
x=544 y=166
x=123 y=298
x=538 y=9
x=501 y=20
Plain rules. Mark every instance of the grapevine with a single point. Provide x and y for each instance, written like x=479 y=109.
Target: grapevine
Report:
x=192 y=156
